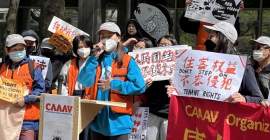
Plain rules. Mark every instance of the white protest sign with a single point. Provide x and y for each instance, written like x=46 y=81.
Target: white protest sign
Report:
x=208 y=75
x=140 y=119
x=213 y=11
x=158 y=63
x=58 y=117
x=43 y=63
x=66 y=29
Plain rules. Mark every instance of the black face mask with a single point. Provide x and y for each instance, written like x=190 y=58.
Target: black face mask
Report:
x=30 y=49
x=210 y=45
x=47 y=53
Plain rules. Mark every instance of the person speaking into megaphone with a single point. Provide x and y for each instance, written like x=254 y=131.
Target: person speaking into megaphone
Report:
x=111 y=75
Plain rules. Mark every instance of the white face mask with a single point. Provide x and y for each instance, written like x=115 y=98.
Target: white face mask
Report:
x=84 y=52
x=110 y=45
x=17 y=55
x=258 y=55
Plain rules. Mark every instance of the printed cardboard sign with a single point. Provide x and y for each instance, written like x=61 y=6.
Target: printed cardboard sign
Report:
x=63 y=35
x=11 y=90
x=213 y=11
x=140 y=119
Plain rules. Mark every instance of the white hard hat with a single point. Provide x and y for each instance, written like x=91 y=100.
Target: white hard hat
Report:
x=14 y=39
x=265 y=40
x=227 y=29
x=110 y=26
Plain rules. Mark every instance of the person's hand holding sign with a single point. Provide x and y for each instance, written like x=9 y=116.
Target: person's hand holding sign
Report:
x=236 y=97
x=170 y=90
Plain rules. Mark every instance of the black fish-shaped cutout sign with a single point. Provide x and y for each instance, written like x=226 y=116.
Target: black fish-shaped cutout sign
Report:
x=152 y=20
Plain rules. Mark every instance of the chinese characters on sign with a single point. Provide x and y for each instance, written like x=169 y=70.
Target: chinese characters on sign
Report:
x=11 y=90
x=158 y=63
x=208 y=75
x=67 y=30
x=140 y=119
x=63 y=34
x=213 y=11
x=42 y=62
x=199 y=119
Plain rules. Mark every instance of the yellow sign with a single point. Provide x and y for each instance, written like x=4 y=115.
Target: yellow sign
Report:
x=60 y=42
x=11 y=90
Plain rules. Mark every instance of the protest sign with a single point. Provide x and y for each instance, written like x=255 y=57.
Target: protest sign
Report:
x=200 y=119
x=65 y=29
x=64 y=117
x=213 y=11
x=11 y=90
x=11 y=117
x=63 y=35
x=58 y=117
x=60 y=43
x=43 y=63
x=208 y=75
x=158 y=63
x=152 y=20
x=140 y=119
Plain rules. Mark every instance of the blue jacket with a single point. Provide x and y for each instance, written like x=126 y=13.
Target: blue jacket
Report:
x=107 y=122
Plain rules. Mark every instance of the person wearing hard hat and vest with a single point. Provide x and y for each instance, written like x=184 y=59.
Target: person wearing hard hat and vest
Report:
x=18 y=66
x=112 y=75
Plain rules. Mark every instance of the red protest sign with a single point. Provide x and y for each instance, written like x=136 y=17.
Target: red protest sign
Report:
x=200 y=119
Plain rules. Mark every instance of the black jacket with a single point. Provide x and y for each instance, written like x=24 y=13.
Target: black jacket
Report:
x=157 y=98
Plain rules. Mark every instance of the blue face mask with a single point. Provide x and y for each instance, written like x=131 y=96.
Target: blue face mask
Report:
x=17 y=56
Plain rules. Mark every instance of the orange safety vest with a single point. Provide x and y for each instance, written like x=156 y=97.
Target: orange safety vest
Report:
x=117 y=73
x=23 y=74
x=202 y=36
x=72 y=78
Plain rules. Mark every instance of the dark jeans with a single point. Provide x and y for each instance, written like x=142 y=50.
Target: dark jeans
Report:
x=98 y=136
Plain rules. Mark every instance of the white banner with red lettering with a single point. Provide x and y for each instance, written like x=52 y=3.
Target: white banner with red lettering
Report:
x=140 y=119
x=58 y=117
x=158 y=63
x=64 y=28
x=208 y=75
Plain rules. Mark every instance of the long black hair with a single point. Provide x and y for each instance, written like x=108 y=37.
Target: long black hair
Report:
x=77 y=40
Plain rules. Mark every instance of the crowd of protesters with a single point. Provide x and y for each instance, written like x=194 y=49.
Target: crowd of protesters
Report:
x=103 y=70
